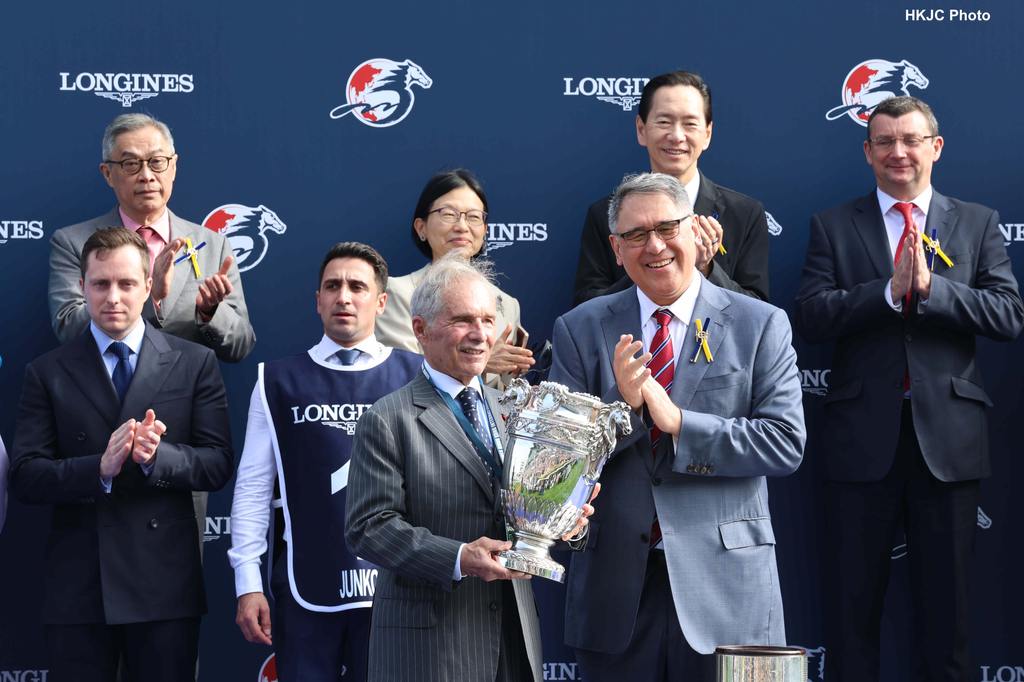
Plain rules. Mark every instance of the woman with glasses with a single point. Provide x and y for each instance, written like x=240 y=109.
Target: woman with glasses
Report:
x=451 y=215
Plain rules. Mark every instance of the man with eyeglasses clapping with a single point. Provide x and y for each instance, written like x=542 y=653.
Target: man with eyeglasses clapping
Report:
x=199 y=299
x=903 y=281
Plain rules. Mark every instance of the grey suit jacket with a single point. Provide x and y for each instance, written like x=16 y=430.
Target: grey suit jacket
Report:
x=842 y=299
x=417 y=490
x=742 y=420
x=228 y=333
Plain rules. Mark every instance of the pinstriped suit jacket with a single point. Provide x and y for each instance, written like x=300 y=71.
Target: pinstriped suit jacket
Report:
x=416 y=491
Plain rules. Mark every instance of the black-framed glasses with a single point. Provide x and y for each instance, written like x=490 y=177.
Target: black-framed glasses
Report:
x=449 y=215
x=909 y=141
x=667 y=230
x=157 y=164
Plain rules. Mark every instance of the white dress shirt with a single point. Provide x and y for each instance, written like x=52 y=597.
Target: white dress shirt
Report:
x=257 y=469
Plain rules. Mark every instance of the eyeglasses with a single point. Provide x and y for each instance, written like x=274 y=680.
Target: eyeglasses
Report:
x=157 y=164
x=909 y=141
x=666 y=230
x=450 y=216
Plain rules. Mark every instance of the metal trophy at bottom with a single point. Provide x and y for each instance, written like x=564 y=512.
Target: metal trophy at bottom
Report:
x=558 y=442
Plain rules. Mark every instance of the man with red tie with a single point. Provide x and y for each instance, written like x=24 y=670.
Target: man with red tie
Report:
x=903 y=281
x=680 y=556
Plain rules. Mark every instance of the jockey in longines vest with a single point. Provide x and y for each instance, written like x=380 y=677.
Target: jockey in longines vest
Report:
x=314 y=409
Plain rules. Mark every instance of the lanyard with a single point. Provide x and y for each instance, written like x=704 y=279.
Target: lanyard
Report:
x=487 y=456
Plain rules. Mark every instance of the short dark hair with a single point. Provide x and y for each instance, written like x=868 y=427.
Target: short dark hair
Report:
x=110 y=238
x=437 y=187
x=361 y=251
x=901 y=106
x=674 y=78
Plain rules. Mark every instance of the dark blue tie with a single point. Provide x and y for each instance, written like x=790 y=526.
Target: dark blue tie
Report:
x=122 y=376
x=468 y=402
x=347 y=356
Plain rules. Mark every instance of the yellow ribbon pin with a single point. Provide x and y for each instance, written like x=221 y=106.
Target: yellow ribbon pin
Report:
x=933 y=245
x=702 y=339
x=721 y=248
x=191 y=253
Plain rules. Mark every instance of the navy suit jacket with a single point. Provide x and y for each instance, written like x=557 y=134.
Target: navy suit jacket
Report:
x=842 y=299
x=131 y=555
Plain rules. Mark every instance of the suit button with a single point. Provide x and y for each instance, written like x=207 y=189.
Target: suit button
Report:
x=80 y=435
x=711 y=469
x=690 y=469
x=656 y=480
x=153 y=523
x=494 y=606
x=645 y=538
x=705 y=469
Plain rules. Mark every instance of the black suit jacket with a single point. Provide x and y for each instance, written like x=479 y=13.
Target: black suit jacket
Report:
x=131 y=555
x=743 y=268
x=842 y=299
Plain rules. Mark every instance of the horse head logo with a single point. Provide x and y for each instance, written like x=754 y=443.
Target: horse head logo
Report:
x=873 y=81
x=379 y=91
x=245 y=228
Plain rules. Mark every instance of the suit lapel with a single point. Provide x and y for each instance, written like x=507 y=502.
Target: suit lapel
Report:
x=942 y=217
x=623 y=318
x=156 y=360
x=182 y=271
x=86 y=368
x=711 y=303
x=867 y=220
x=709 y=202
x=439 y=420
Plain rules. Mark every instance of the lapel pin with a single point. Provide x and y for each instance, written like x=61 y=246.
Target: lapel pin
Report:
x=935 y=249
x=702 y=340
x=190 y=254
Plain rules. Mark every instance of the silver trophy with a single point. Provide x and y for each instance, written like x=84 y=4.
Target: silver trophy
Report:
x=558 y=442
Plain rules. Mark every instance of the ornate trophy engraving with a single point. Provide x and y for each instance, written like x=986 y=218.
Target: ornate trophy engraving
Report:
x=558 y=442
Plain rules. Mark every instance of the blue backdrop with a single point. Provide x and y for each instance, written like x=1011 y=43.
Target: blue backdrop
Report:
x=514 y=92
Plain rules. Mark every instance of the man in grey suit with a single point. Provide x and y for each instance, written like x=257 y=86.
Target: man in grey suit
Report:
x=905 y=440
x=139 y=164
x=423 y=505
x=680 y=557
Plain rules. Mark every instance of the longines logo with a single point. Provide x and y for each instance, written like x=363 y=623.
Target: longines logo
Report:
x=500 y=235
x=126 y=88
x=24 y=675
x=1012 y=232
x=561 y=671
x=815 y=381
x=215 y=527
x=20 y=229
x=1003 y=673
x=343 y=416
x=624 y=92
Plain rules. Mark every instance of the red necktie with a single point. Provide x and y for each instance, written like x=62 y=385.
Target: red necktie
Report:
x=908 y=222
x=663 y=369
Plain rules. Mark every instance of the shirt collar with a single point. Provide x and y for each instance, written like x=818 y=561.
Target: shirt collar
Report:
x=681 y=308
x=162 y=225
x=692 y=187
x=450 y=385
x=922 y=201
x=328 y=347
x=133 y=339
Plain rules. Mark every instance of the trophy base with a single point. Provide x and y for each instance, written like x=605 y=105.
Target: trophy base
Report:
x=542 y=567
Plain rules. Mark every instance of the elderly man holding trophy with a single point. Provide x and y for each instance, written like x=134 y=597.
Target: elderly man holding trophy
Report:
x=680 y=556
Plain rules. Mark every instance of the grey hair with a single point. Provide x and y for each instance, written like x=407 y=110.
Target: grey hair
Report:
x=647 y=183
x=126 y=123
x=444 y=274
